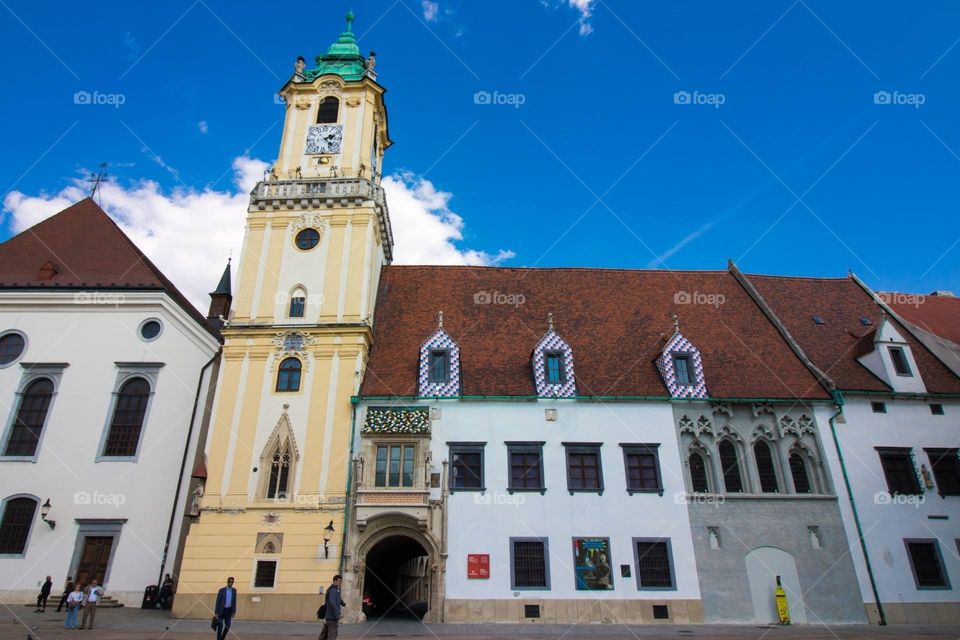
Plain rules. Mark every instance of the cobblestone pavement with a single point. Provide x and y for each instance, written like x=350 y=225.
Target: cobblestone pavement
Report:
x=134 y=624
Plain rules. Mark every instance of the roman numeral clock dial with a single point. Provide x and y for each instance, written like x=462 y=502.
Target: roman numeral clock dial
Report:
x=324 y=138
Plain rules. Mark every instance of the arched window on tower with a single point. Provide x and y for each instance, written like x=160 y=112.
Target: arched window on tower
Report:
x=281 y=465
x=800 y=473
x=765 y=467
x=288 y=378
x=730 y=466
x=31 y=415
x=329 y=110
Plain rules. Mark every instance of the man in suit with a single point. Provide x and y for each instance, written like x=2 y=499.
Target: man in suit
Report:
x=67 y=590
x=332 y=604
x=225 y=609
x=44 y=594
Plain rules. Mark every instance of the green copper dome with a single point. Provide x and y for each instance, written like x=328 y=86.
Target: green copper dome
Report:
x=342 y=58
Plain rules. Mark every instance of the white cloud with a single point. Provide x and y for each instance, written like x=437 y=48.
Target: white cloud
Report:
x=431 y=9
x=203 y=126
x=585 y=7
x=189 y=233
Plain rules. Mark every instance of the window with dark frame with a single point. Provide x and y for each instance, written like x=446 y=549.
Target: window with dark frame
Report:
x=899 y=470
x=927 y=564
x=526 y=466
x=439 y=365
x=11 y=347
x=31 y=415
x=683 y=369
x=466 y=467
x=900 y=363
x=288 y=377
x=394 y=467
x=642 y=465
x=266 y=575
x=936 y=409
x=698 y=473
x=800 y=474
x=730 y=466
x=878 y=407
x=328 y=111
x=278 y=484
x=297 y=306
x=127 y=422
x=556 y=374
x=945 y=464
x=529 y=562
x=18 y=514
x=584 y=469
x=654 y=567
x=765 y=467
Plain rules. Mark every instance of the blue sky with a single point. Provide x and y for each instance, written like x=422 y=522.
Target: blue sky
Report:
x=798 y=171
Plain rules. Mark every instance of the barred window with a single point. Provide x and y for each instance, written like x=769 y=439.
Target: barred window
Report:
x=654 y=567
x=899 y=471
x=266 y=574
x=730 y=465
x=328 y=111
x=31 y=415
x=642 y=467
x=927 y=564
x=529 y=563
x=18 y=514
x=765 y=467
x=127 y=422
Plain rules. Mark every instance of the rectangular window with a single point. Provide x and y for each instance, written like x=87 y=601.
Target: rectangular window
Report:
x=297 y=307
x=899 y=470
x=266 y=574
x=654 y=563
x=584 y=469
x=466 y=466
x=439 y=365
x=878 y=407
x=936 y=409
x=555 y=371
x=899 y=359
x=927 y=564
x=642 y=467
x=946 y=470
x=395 y=465
x=529 y=564
x=526 y=466
x=683 y=368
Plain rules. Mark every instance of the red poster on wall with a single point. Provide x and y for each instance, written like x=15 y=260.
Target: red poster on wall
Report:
x=478 y=566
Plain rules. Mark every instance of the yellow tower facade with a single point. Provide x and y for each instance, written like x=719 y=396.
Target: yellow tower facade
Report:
x=278 y=450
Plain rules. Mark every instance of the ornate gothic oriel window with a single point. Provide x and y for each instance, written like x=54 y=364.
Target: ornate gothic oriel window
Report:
x=279 y=482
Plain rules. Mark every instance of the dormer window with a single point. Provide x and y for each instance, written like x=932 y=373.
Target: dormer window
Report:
x=682 y=365
x=900 y=363
x=554 y=367
x=681 y=368
x=329 y=110
x=439 y=365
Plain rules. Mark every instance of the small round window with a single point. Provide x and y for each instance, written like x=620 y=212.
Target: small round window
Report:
x=308 y=239
x=11 y=348
x=150 y=329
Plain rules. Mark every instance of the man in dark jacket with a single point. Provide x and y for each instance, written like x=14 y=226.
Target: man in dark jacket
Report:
x=67 y=590
x=332 y=603
x=225 y=609
x=44 y=594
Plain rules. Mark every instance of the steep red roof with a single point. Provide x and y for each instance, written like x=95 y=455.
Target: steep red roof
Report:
x=938 y=314
x=82 y=248
x=614 y=320
x=834 y=345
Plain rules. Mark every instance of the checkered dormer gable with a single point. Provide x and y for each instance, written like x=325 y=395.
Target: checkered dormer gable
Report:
x=449 y=389
x=680 y=345
x=566 y=389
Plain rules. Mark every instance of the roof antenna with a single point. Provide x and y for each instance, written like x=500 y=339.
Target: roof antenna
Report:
x=550 y=321
x=96 y=179
x=440 y=319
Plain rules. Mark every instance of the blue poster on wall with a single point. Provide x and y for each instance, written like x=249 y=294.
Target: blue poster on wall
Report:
x=591 y=563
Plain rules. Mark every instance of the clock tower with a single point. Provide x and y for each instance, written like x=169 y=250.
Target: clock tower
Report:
x=270 y=512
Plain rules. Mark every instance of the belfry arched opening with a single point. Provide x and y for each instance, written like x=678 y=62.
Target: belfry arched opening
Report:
x=396 y=581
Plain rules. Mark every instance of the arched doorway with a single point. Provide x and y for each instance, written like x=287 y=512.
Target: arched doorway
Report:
x=397 y=578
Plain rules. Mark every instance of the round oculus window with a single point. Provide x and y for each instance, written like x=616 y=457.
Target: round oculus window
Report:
x=11 y=347
x=150 y=329
x=307 y=239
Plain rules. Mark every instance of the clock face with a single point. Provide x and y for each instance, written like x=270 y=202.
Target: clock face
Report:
x=324 y=138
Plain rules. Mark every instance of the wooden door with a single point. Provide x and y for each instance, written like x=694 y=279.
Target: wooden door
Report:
x=94 y=559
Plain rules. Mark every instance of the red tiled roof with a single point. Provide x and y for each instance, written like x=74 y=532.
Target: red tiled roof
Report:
x=614 y=320
x=940 y=315
x=82 y=248
x=834 y=346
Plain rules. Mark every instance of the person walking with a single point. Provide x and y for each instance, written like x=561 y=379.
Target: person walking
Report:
x=332 y=613
x=166 y=592
x=225 y=609
x=67 y=590
x=74 y=600
x=44 y=594
x=91 y=596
